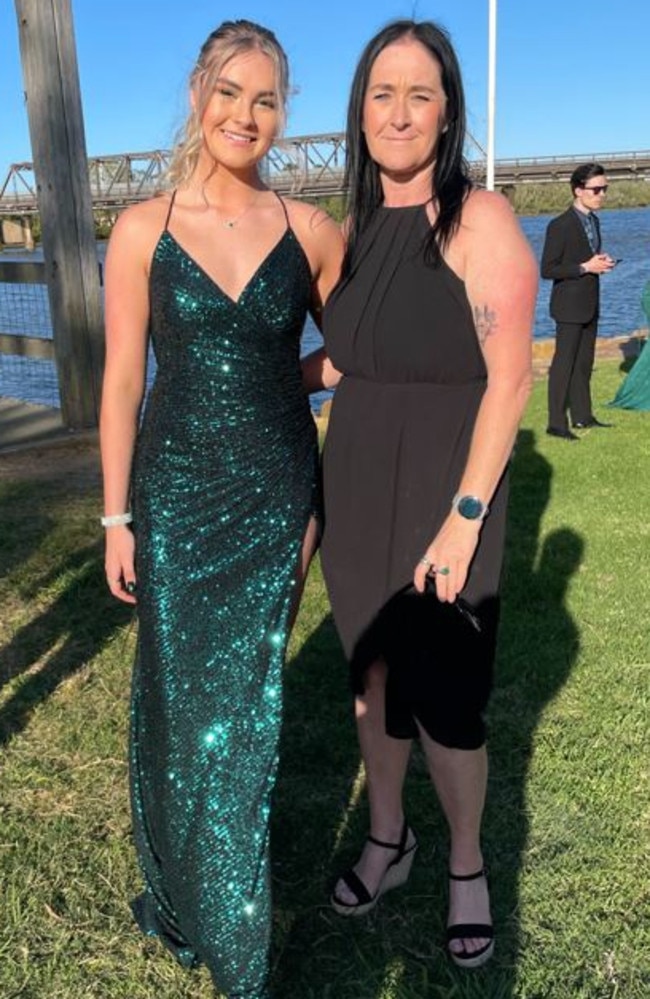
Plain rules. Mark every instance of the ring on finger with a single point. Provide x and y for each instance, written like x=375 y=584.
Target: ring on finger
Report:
x=426 y=562
x=443 y=570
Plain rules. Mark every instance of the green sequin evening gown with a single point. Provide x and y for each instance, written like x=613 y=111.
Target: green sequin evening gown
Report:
x=223 y=488
x=634 y=392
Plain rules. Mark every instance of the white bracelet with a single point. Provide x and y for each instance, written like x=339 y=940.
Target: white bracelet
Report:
x=117 y=520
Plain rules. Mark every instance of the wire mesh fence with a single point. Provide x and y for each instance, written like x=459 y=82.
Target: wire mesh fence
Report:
x=25 y=312
x=29 y=379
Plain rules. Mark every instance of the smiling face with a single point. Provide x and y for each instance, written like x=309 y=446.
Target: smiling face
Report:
x=404 y=111
x=242 y=115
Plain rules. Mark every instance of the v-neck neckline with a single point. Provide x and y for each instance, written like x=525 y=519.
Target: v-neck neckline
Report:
x=234 y=301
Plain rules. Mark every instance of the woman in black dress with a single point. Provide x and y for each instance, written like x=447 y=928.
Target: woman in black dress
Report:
x=430 y=329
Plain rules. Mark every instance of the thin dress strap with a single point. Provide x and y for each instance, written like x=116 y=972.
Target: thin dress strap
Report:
x=169 y=212
x=284 y=209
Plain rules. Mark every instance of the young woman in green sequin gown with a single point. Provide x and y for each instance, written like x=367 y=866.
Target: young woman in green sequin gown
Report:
x=634 y=391
x=221 y=476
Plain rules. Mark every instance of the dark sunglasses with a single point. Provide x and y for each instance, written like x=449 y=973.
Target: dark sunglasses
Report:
x=598 y=189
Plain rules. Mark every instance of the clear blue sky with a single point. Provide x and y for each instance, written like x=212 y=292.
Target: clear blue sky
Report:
x=572 y=77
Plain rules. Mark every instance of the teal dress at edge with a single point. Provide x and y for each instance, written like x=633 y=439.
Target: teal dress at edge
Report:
x=223 y=487
x=634 y=392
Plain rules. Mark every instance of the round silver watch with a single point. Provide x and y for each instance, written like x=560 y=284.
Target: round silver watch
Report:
x=470 y=507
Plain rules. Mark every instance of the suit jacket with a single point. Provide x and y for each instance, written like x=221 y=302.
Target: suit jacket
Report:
x=575 y=296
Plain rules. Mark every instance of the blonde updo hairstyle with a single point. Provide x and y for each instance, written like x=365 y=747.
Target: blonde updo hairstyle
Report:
x=230 y=39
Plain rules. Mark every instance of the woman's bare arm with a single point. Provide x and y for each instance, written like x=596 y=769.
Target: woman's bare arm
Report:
x=127 y=319
x=498 y=267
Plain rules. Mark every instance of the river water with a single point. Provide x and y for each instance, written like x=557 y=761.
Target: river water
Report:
x=625 y=232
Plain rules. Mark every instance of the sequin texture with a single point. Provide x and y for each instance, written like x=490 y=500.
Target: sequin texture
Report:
x=223 y=486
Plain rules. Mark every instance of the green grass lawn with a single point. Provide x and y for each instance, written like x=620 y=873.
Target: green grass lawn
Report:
x=567 y=832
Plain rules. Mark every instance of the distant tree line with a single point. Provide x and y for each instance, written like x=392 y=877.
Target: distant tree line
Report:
x=526 y=199
x=540 y=199
x=543 y=199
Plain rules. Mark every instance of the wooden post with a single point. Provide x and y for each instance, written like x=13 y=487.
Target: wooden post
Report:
x=51 y=80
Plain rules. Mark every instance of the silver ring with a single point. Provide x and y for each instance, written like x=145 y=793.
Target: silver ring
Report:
x=425 y=561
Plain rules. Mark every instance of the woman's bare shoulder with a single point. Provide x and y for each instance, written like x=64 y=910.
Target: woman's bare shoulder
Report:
x=140 y=225
x=481 y=205
x=147 y=213
x=319 y=235
x=308 y=217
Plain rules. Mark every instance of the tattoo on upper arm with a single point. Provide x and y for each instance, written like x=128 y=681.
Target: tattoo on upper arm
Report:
x=485 y=321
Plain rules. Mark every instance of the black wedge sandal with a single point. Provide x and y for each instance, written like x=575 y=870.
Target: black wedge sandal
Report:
x=396 y=874
x=468 y=931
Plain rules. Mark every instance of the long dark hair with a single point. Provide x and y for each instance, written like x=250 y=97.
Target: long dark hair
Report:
x=450 y=182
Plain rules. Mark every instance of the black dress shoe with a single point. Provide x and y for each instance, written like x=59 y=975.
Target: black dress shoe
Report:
x=593 y=422
x=567 y=435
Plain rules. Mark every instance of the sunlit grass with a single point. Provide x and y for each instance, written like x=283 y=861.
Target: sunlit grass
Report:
x=567 y=823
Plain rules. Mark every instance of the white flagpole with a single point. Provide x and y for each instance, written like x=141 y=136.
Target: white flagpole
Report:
x=492 y=52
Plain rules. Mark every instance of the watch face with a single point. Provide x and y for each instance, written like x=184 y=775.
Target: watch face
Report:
x=470 y=507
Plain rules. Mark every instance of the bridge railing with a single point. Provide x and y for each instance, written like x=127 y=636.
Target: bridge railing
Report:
x=642 y=158
x=302 y=166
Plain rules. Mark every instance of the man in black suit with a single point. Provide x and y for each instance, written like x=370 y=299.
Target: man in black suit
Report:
x=572 y=259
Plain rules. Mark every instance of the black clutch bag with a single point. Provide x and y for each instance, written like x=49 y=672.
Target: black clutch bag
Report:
x=427 y=626
x=417 y=630
x=459 y=606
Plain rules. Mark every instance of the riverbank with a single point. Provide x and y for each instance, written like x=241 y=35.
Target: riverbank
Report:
x=26 y=427
x=626 y=233
x=622 y=348
x=526 y=199
x=539 y=199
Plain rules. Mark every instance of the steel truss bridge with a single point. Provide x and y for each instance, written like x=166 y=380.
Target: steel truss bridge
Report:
x=302 y=167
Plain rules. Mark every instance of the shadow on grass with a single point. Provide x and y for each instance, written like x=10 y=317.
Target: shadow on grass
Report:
x=20 y=536
x=538 y=646
x=397 y=952
x=319 y=759
x=70 y=632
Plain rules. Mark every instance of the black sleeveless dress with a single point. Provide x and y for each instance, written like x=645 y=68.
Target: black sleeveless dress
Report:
x=402 y=418
x=223 y=488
